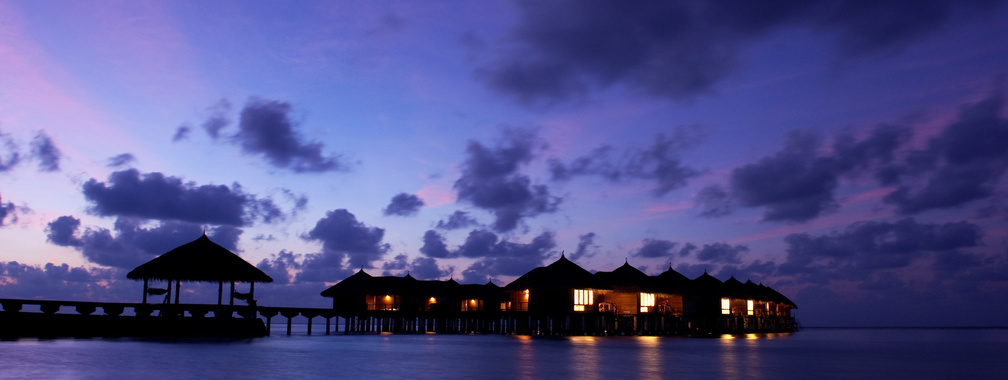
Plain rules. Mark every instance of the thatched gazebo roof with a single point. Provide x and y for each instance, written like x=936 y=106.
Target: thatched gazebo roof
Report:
x=199 y=261
x=561 y=274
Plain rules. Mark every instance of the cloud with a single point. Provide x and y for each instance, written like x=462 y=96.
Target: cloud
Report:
x=265 y=129
x=421 y=268
x=155 y=196
x=281 y=266
x=964 y=163
x=659 y=162
x=47 y=154
x=793 y=185
x=217 y=118
x=13 y=154
x=434 y=246
x=503 y=257
x=7 y=209
x=656 y=248
x=182 y=133
x=78 y=283
x=490 y=180
x=403 y=204
x=133 y=243
x=346 y=244
x=586 y=247
x=721 y=253
x=865 y=247
x=714 y=201
x=120 y=160
x=680 y=49
x=457 y=220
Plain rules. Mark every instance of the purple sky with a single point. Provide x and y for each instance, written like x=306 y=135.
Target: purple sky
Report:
x=852 y=155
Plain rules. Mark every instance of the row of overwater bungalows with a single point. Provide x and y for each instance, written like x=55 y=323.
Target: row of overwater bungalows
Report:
x=563 y=299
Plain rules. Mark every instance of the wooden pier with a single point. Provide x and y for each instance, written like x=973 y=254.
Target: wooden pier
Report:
x=55 y=319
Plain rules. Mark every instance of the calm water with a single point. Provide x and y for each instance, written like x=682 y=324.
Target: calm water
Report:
x=812 y=353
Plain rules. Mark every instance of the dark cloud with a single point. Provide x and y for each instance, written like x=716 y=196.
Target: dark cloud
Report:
x=182 y=133
x=964 y=163
x=281 y=266
x=62 y=231
x=659 y=162
x=78 y=283
x=121 y=160
x=870 y=246
x=680 y=49
x=457 y=220
x=217 y=118
x=796 y=184
x=47 y=154
x=404 y=204
x=721 y=253
x=421 y=268
x=503 y=257
x=7 y=209
x=13 y=154
x=714 y=201
x=155 y=196
x=586 y=247
x=346 y=244
x=434 y=246
x=265 y=129
x=656 y=248
x=490 y=180
x=133 y=242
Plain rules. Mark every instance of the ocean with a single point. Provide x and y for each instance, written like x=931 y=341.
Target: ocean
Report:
x=813 y=353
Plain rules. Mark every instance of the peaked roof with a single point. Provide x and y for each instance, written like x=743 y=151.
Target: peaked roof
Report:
x=625 y=276
x=200 y=261
x=672 y=281
x=562 y=274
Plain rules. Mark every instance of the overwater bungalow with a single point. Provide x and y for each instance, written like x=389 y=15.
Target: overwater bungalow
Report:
x=561 y=299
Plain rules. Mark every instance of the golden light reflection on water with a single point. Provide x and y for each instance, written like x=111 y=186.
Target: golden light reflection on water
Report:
x=585 y=358
x=526 y=357
x=740 y=356
x=651 y=361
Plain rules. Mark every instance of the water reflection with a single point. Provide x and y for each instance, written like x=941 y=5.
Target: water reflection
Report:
x=650 y=357
x=585 y=357
x=740 y=356
x=526 y=357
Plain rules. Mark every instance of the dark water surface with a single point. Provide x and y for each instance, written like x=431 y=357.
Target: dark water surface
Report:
x=811 y=353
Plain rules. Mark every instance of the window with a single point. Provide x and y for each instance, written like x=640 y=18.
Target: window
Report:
x=750 y=307
x=582 y=298
x=647 y=301
x=725 y=306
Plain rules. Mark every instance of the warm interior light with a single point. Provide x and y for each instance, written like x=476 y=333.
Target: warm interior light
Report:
x=526 y=295
x=725 y=306
x=582 y=297
x=432 y=300
x=750 y=306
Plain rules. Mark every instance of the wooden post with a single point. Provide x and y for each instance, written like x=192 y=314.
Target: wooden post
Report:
x=231 y=302
x=145 y=292
x=220 y=292
x=168 y=296
x=178 y=283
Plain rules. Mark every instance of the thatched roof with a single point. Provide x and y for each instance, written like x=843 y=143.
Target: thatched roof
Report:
x=562 y=274
x=626 y=276
x=199 y=261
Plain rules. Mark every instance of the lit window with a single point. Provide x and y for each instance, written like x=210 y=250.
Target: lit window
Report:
x=725 y=306
x=526 y=295
x=582 y=298
x=647 y=301
x=750 y=307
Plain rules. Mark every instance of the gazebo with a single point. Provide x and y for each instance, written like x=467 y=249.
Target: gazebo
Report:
x=199 y=261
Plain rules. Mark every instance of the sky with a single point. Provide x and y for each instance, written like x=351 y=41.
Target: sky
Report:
x=851 y=155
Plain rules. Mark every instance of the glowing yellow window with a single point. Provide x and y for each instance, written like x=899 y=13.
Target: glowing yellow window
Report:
x=646 y=302
x=750 y=307
x=582 y=298
x=725 y=306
